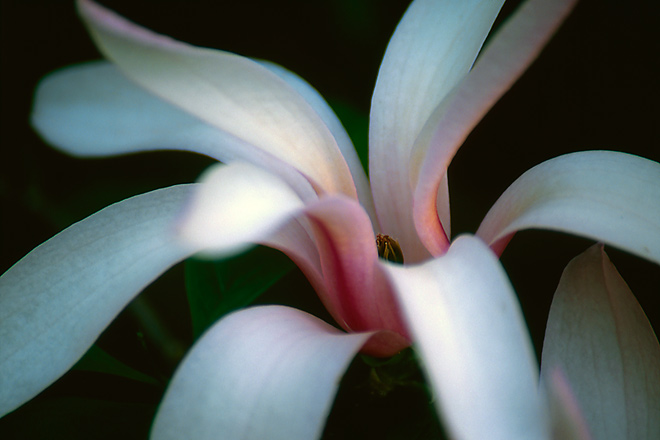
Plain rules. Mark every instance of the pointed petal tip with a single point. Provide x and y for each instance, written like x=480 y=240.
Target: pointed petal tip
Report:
x=600 y=337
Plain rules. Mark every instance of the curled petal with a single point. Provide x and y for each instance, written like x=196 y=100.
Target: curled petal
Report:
x=510 y=51
x=235 y=206
x=334 y=124
x=357 y=292
x=605 y=195
x=264 y=372
x=228 y=91
x=238 y=205
x=58 y=299
x=600 y=338
x=432 y=49
x=92 y=110
x=474 y=344
x=331 y=240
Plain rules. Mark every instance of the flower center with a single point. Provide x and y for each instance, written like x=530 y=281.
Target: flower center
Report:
x=389 y=249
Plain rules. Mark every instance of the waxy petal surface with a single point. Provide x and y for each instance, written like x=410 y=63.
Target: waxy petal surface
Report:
x=58 y=299
x=237 y=205
x=605 y=195
x=265 y=372
x=432 y=49
x=314 y=98
x=503 y=60
x=467 y=323
x=92 y=109
x=567 y=419
x=599 y=337
x=357 y=292
x=228 y=91
x=330 y=239
x=234 y=207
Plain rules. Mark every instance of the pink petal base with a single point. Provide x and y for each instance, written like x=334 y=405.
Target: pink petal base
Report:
x=356 y=287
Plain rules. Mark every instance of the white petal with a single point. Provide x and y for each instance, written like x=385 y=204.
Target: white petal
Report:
x=56 y=301
x=475 y=348
x=334 y=124
x=600 y=338
x=511 y=49
x=261 y=373
x=92 y=109
x=432 y=49
x=605 y=195
x=228 y=91
x=235 y=206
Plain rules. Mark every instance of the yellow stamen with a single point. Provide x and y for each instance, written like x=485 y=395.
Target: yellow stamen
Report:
x=389 y=249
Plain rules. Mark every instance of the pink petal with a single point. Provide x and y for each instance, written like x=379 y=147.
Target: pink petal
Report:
x=508 y=54
x=475 y=348
x=262 y=373
x=58 y=299
x=232 y=93
x=431 y=51
x=600 y=338
x=237 y=205
x=356 y=290
x=296 y=240
x=605 y=195
x=331 y=240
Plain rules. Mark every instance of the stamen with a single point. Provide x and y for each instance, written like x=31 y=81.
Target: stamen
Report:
x=389 y=249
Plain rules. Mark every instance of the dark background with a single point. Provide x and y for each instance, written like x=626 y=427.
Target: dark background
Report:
x=594 y=87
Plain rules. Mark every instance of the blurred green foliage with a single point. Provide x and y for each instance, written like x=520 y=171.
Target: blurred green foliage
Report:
x=215 y=288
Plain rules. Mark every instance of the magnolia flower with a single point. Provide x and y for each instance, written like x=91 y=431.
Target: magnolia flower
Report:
x=291 y=180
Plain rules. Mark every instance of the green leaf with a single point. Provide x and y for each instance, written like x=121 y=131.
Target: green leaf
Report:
x=216 y=288
x=97 y=360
